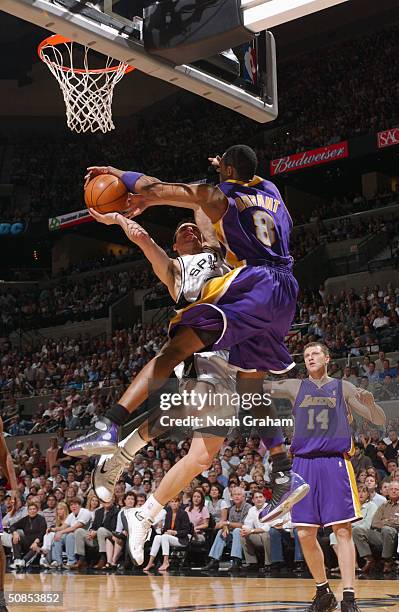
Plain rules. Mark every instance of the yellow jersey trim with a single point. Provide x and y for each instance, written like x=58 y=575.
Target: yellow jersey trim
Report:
x=355 y=495
x=230 y=257
x=255 y=181
x=212 y=291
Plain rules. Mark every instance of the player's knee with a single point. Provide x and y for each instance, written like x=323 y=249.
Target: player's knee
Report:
x=174 y=353
x=200 y=460
x=343 y=532
x=306 y=535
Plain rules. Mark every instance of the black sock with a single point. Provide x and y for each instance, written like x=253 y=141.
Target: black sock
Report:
x=349 y=594
x=323 y=588
x=118 y=414
x=103 y=556
x=281 y=462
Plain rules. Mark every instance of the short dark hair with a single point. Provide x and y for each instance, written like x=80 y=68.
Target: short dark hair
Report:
x=323 y=347
x=33 y=503
x=217 y=486
x=181 y=223
x=130 y=494
x=243 y=159
x=75 y=500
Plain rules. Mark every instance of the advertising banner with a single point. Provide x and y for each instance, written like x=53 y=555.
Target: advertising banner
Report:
x=69 y=220
x=307 y=159
x=388 y=138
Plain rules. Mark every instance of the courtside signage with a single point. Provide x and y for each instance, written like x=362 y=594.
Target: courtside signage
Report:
x=69 y=220
x=388 y=138
x=307 y=159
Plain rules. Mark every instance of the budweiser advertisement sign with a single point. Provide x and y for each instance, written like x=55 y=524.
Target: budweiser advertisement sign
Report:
x=388 y=138
x=307 y=159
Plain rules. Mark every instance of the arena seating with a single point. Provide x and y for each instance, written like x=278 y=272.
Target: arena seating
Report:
x=49 y=170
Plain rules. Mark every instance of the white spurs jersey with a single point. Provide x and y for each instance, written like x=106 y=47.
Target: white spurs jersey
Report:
x=195 y=272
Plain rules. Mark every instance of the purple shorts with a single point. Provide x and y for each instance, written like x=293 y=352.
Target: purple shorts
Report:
x=333 y=496
x=252 y=308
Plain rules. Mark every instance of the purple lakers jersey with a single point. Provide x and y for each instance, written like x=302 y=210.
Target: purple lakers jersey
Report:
x=256 y=227
x=322 y=420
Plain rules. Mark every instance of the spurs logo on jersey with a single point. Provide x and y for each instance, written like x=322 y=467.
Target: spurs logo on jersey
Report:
x=195 y=272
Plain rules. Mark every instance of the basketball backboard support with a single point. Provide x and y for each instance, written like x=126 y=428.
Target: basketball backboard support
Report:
x=98 y=25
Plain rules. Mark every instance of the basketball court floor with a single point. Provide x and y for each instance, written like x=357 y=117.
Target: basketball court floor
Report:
x=127 y=593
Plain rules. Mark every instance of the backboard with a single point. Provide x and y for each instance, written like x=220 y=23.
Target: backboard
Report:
x=244 y=81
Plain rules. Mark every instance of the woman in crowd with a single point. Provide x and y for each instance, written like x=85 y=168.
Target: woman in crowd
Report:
x=361 y=479
x=217 y=507
x=372 y=471
x=62 y=512
x=92 y=503
x=69 y=494
x=176 y=532
x=116 y=543
x=198 y=514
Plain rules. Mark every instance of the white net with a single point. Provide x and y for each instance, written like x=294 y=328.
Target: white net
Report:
x=87 y=92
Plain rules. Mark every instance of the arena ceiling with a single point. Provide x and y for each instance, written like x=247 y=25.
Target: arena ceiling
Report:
x=28 y=89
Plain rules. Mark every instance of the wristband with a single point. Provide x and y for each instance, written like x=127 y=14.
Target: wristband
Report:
x=129 y=179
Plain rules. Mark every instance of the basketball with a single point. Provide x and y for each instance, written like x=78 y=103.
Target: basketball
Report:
x=106 y=193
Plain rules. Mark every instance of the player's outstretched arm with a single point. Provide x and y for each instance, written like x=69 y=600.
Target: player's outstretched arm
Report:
x=205 y=226
x=165 y=268
x=153 y=192
x=210 y=199
x=362 y=403
x=6 y=462
x=131 y=179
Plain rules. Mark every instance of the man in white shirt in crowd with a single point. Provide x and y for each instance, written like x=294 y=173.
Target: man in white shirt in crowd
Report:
x=229 y=461
x=375 y=497
x=372 y=373
x=242 y=473
x=381 y=320
x=79 y=518
x=255 y=535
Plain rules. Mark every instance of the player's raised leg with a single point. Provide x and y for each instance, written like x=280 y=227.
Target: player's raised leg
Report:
x=103 y=437
x=202 y=451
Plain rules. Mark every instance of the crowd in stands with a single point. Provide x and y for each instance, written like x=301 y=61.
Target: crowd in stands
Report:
x=80 y=364
x=62 y=301
x=59 y=523
x=354 y=324
x=342 y=228
x=68 y=300
x=52 y=173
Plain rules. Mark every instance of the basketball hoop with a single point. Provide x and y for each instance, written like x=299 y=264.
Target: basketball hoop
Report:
x=87 y=92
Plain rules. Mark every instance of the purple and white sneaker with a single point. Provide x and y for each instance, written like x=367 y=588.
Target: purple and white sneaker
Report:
x=288 y=489
x=101 y=439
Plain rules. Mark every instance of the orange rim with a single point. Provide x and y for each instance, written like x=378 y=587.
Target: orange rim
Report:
x=58 y=39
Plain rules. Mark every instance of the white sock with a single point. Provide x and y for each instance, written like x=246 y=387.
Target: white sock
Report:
x=133 y=442
x=151 y=508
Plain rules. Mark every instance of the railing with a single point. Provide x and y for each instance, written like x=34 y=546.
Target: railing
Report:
x=353 y=217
